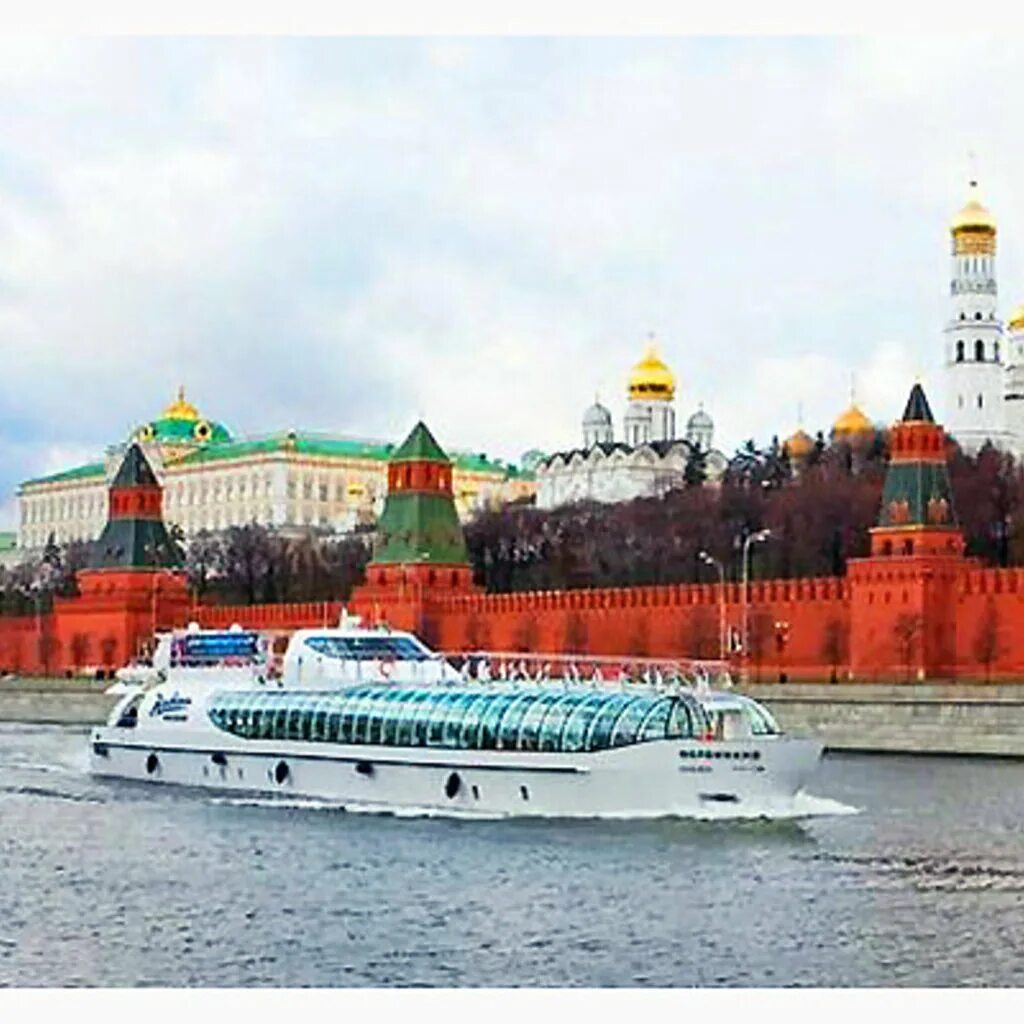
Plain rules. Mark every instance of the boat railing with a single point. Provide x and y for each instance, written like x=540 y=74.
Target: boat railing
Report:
x=497 y=667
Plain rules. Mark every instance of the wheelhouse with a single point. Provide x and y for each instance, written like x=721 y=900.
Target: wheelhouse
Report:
x=557 y=721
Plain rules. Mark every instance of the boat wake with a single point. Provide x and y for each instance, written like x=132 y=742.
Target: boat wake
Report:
x=805 y=805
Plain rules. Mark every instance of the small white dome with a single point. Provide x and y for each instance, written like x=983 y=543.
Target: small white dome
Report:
x=597 y=416
x=700 y=420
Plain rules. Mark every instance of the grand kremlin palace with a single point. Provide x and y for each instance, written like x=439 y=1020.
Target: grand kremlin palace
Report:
x=212 y=481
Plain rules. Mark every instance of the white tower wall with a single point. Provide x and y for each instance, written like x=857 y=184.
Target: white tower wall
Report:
x=974 y=353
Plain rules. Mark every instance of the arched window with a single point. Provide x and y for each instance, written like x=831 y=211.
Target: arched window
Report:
x=960 y=401
x=981 y=401
x=960 y=351
x=995 y=351
x=908 y=549
x=979 y=351
x=977 y=316
x=963 y=316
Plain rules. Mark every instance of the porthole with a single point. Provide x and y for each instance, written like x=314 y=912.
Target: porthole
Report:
x=476 y=792
x=524 y=792
x=152 y=763
x=452 y=786
x=364 y=768
x=281 y=773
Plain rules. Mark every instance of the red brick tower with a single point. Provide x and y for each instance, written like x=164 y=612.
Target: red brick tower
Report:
x=421 y=551
x=135 y=583
x=903 y=598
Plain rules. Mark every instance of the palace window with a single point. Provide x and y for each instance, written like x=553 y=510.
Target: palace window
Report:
x=995 y=351
x=979 y=351
x=981 y=401
x=959 y=351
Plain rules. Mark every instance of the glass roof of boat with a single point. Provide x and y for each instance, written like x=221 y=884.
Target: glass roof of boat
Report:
x=554 y=720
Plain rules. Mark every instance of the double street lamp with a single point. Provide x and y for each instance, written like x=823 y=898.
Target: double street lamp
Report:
x=751 y=539
x=708 y=559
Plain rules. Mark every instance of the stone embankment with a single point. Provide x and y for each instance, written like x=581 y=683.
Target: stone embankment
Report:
x=55 y=701
x=917 y=718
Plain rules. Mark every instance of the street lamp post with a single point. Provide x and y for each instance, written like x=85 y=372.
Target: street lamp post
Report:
x=709 y=559
x=753 y=538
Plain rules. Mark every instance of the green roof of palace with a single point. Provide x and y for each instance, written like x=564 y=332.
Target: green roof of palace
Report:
x=303 y=444
x=8 y=540
x=91 y=469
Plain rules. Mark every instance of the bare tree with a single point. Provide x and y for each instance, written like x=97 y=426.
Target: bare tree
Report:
x=988 y=647
x=638 y=643
x=526 y=634
x=834 y=645
x=79 y=649
x=906 y=632
x=576 y=633
x=700 y=633
x=108 y=650
x=759 y=635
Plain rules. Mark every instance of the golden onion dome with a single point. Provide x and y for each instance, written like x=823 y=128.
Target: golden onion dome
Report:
x=1016 y=321
x=852 y=423
x=799 y=444
x=180 y=409
x=651 y=378
x=974 y=217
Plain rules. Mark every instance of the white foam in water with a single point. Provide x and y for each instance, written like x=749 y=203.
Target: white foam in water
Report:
x=805 y=805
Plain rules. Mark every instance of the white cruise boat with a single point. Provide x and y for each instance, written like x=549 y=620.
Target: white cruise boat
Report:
x=371 y=718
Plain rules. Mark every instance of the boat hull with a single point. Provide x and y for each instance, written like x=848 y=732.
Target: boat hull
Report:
x=687 y=778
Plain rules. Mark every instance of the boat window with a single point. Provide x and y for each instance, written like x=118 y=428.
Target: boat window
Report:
x=576 y=725
x=368 y=648
x=655 y=726
x=554 y=722
x=760 y=720
x=376 y=721
x=598 y=736
x=508 y=727
x=628 y=724
x=529 y=729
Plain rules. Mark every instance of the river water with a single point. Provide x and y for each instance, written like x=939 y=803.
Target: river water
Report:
x=105 y=883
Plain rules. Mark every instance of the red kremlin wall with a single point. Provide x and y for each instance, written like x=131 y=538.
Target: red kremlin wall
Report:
x=804 y=624
x=915 y=609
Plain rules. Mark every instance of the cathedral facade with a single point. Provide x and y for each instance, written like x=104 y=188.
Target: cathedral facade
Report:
x=650 y=459
x=983 y=359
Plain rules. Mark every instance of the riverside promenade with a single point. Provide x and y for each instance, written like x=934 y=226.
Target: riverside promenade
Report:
x=919 y=718
x=948 y=718
x=44 y=701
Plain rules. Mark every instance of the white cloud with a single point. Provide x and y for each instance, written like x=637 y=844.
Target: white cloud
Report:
x=345 y=234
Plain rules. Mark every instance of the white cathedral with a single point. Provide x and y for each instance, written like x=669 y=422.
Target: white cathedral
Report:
x=984 y=367
x=650 y=460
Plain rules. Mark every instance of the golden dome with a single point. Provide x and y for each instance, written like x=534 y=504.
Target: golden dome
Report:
x=799 y=444
x=852 y=423
x=651 y=378
x=179 y=409
x=974 y=217
x=1016 y=321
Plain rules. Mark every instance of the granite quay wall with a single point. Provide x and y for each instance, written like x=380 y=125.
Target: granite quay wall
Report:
x=941 y=718
x=55 y=701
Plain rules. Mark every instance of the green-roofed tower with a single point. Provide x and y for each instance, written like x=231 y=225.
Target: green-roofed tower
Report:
x=421 y=551
x=419 y=524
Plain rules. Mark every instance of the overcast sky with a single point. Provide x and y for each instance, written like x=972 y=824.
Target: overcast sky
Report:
x=346 y=235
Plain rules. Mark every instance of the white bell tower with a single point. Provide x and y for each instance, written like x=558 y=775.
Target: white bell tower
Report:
x=975 y=407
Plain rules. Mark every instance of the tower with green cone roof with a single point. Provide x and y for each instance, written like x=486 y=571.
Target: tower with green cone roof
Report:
x=903 y=598
x=420 y=553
